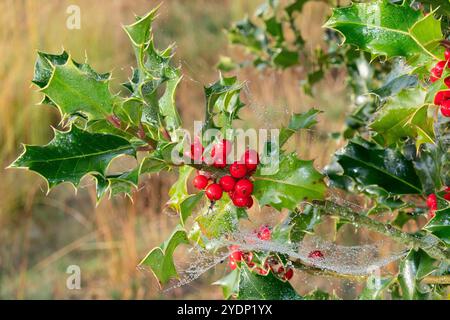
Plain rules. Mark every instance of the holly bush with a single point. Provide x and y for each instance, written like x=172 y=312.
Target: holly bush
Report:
x=395 y=156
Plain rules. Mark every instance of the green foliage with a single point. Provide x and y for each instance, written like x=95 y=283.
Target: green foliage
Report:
x=295 y=181
x=396 y=149
x=73 y=154
x=253 y=286
x=160 y=259
x=392 y=30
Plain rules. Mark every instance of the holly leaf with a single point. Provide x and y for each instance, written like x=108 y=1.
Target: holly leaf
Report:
x=222 y=219
x=443 y=7
x=222 y=102
x=440 y=225
x=44 y=65
x=375 y=287
x=253 y=286
x=391 y=30
x=76 y=90
x=229 y=283
x=160 y=259
x=294 y=181
x=404 y=115
x=396 y=85
x=189 y=204
x=412 y=269
x=167 y=104
x=139 y=32
x=73 y=154
x=298 y=121
x=178 y=192
x=303 y=222
x=370 y=166
x=116 y=184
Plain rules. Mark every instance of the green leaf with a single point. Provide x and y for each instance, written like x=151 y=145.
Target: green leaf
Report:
x=394 y=86
x=442 y=6
x=222 y=102
x=375 y=287
x=440 y=225
x=372 y=166
x=74 y=90
x=246 y=33
x=413 y=268
x=382 y=28
x=151 y=164
x=189 y=204
x=222 y=219
x=43 y=68
x=285 y=58
x=253 y=286
x=304 y=222
x=405 y=115
x=229 y=283
x=178 y=192
x=298 y=121
x=167 y=105
x=140 y=31
x=432 y=165
x=295 y=181
x=129 y=111
x=160 y=259
x=296 y=6
x=116 y=184
x=73 y=154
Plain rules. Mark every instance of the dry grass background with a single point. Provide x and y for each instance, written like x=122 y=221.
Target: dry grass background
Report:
x=41 y=235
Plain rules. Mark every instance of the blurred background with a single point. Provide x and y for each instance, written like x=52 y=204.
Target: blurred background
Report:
x=41 y=235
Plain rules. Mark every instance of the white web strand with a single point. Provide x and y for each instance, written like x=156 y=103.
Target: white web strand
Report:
x=349 y=260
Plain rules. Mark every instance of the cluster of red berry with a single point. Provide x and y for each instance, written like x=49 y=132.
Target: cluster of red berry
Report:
x=237 y=183
x=432 y=202
x=442 y=98
x=271 y=263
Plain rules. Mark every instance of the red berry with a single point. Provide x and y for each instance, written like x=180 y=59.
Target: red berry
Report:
x=431 y=214
x=249 y=202
x=433 y=78
x=447 y=196
x=447 y=54
x=236 y=254
x=439 y=68
x=447 y=189
x=264 y=233
x=196 y=152
x=238 y=170
x=316 y=254
x=289 y=274
x=251 y=264
x=243 y=188
x=232 y=264
x=441 y=96
x=447 y=82
x=445 y=108
x=239 y=201
x=200 y=182
x=214 y=192
x=248 y=257
x=261 y=271
x=221 y=149
x=280 y=270
x=227 y=183
x=432 y=202
x=220 y=162
x=251 y=159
